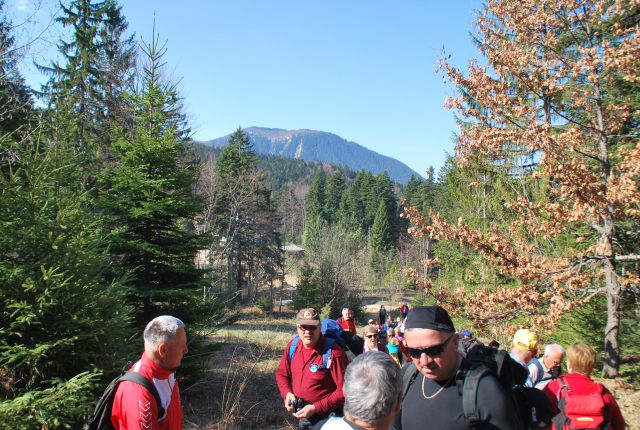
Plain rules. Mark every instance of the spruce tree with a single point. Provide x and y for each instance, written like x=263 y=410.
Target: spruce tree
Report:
x=334 y=189
x=148 y=199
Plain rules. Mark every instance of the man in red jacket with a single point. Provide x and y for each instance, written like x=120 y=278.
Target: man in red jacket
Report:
x=134 y=407
x=310 y=375
x=346 y=322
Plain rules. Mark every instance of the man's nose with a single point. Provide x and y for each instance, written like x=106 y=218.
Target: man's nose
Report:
x=425 y=359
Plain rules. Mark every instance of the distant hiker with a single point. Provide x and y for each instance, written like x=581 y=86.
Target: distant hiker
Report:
x=404 y=310
x=371 y=339
x=433 y=380
x=373 y=392
x=311 y=371
x=524 y=348
x=544 y=370
x=577 y=398
x=382 y=316
x=134 y=407
x=346 y=321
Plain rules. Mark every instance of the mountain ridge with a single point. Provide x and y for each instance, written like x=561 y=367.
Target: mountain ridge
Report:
x=326 y=147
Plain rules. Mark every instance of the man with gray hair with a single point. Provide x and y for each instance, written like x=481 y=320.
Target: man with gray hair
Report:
x=548 y=368
x=135 y=407
x=373 y=393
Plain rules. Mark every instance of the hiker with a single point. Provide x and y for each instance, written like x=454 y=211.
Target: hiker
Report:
x=372 y=391
x=346 y=321
x=404 y=310
x=577 y=389
x=524 y=348
x=310 y=379
x=433 y=397
x=382 y=316
x=548 y=368
x=371 y=339
x=134 y=407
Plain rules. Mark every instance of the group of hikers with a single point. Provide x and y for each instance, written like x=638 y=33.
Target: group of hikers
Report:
x=330 y=378
x=450 y=379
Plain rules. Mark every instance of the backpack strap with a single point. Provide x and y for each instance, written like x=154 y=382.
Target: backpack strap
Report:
x=326 y=353
x=292 y=348
x=141 y=380
x=560 y=419
x=470 y=394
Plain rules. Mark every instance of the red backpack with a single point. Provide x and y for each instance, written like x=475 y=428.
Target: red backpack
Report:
x=580 y=411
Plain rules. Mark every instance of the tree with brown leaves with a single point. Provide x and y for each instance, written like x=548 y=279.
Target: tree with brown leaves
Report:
x=559 y=85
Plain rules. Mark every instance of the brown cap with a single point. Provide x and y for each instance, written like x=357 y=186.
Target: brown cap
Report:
x=307 y=316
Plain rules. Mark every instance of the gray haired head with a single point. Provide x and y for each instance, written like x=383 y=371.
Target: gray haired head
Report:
x=372 y=386
x=551 y=347
x=161 y=329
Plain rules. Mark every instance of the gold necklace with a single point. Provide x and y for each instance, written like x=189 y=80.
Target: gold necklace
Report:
x=437 y=392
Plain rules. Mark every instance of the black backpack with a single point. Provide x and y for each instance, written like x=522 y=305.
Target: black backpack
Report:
x=532 y=405
x=101 y=417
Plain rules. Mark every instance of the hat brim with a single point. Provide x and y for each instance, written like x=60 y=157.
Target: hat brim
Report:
x=308 y=322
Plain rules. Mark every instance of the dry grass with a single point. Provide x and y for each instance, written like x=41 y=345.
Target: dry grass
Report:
x=239 y=390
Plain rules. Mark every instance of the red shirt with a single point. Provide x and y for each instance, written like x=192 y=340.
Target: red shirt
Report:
x=323 y=387
x=347 y=325
x=134 y=407
x=582 y=384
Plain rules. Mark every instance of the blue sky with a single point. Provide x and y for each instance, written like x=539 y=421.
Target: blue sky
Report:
x=363 y=70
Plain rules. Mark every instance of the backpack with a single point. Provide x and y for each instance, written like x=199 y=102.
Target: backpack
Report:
x=101 y=417
x=332 y=334
x=531 y=405
x=580 y=411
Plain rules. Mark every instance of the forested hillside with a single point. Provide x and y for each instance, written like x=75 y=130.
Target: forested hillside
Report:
x=111 y=214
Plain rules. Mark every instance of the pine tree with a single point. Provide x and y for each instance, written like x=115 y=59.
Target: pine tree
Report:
x=315 y=201
x=147 y=196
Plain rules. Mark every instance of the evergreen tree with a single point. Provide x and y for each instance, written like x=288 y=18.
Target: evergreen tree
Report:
x=237 y=157
x=315 y=201
x=307 y=292
x=334 y=190
x=381 y=235
x=15 y=97
x=85 y=93
x=147 y=196
x=61 y=322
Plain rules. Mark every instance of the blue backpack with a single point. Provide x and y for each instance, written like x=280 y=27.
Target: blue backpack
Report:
x=332 y=333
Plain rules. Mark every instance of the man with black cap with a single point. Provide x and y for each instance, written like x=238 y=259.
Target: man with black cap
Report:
x=311 y=371
x=433 y=394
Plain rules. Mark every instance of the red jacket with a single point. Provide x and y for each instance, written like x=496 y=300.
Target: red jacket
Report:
x=134 y=407
x=323 y=388
x=348 y=325
x=582 y=384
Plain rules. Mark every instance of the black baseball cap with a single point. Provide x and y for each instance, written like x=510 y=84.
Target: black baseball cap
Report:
x=431 y=317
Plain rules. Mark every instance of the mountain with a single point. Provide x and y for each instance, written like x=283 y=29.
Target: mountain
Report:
x=320 y=146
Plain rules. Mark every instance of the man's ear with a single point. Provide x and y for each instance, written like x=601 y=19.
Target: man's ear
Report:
x=162 y=350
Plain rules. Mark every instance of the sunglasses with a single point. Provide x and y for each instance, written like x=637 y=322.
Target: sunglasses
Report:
x=432 y=351
x=371 y=336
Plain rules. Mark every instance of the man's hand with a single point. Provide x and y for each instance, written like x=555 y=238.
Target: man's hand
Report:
x=288 y=401
x=305 y=412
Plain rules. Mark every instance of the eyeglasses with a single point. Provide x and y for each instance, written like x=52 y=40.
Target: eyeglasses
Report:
x=432 y=351
x=308 y=327
x=371 y=336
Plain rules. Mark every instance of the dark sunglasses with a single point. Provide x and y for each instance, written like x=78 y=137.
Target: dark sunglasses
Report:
x=432 y=351
x=371 y=336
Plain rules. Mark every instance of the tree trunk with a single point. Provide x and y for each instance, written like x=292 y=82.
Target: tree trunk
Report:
x=611 y=332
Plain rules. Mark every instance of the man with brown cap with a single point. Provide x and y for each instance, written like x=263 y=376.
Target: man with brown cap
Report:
x=433 y=381
x=311 y=371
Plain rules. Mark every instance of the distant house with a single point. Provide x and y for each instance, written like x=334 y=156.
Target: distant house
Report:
x=293 y=251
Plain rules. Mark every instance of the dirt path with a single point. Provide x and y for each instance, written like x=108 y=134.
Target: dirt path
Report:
x=239 y=389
